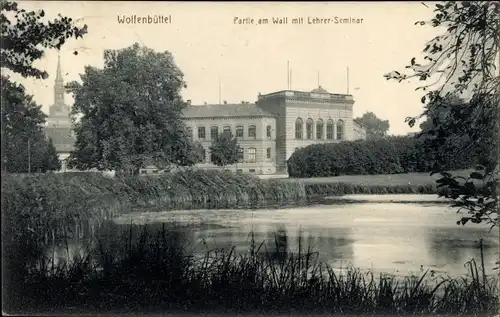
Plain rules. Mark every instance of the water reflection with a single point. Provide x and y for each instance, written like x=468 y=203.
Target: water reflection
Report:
x=455 y=246
x=384 y=237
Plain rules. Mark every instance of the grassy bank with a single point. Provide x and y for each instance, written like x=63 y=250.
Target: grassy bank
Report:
x=53 y=205
x=412 y=179
x=154 y=274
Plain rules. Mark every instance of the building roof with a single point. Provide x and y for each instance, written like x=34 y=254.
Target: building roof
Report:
x=225 y=110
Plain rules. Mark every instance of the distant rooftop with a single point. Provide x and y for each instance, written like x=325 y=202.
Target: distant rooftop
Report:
x=317 y=93
x=225 y=110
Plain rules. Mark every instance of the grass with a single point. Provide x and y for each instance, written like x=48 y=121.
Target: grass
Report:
x=53 y=205
x=154 y=274
x=416 y=179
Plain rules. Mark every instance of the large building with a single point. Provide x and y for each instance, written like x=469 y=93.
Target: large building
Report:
x=278 y=124
x=58 y=125
x=268 y=131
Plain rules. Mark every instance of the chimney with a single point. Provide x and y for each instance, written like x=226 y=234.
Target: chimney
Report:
x=189 y=102
x=225 y=102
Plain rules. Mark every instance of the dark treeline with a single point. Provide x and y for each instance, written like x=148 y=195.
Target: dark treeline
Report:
x=392 y=155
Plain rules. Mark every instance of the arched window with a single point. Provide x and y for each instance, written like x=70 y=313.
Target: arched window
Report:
x=239 y=131
x=268 y=153
x=299 y=126
x=329 y=129
x=226 y=129
x=309 y=128
x=201 y=133
x=296 y=149
x=268 y=131
x=340 y=130
x=319 y=129
x=252 y=155
x=214 y=132
x=252 y=132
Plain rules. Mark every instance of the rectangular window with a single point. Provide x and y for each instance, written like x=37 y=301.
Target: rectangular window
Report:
x=319 y=131
x=214 y=132
x=239 y=131
x=309 y=130
x=329 y=131
x=268 y=153
x=251 y=170
x=252 y=155
x=201 y=133
x=268 y=131
x=298 y=130
x=252 y=132
x=226 y=129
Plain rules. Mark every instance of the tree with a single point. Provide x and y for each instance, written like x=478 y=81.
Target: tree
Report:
x=375 y=127
x=52 y=162
x=24 y=40
x=24 y=37
x=23 y=141
x=225 y=150
x=438 y=113
x=462 y=59
x=196 y=155
x=130 y=112
x=469 y=142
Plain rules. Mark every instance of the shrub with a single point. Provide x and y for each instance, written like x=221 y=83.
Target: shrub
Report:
x=385 y=156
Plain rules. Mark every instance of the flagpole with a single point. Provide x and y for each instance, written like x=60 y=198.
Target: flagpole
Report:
x=219 y=92
x=287 y=75
x=348 y=80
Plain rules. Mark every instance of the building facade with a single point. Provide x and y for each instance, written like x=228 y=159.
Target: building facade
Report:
x=268 y=131
x=58 y=124
x=277 y=125
x=254 y=128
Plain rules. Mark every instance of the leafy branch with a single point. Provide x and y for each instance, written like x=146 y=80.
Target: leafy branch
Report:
x=25 y=36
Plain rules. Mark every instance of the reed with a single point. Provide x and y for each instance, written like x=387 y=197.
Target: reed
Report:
x=74 y=204
x=154 y=273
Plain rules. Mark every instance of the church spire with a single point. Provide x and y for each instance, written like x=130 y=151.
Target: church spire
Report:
x=59 y=84
x=59 y=72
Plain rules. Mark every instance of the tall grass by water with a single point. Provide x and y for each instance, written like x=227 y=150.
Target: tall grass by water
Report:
x=154 y=273
x=66 y=204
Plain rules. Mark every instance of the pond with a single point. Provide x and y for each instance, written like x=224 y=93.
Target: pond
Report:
x=394 y=234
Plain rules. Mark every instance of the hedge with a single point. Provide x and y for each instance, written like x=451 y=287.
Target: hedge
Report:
x=392 y=155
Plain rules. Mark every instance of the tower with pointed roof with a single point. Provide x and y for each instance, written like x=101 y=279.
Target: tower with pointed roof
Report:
x=58 y=126
x=59 y=109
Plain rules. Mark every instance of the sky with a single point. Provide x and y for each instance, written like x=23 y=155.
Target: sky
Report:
x=250 y=58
